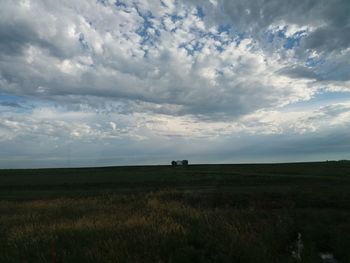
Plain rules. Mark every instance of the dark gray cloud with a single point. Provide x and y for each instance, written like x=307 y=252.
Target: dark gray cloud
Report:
x=299 y=72
x=329 y=20
x=13 y=38
x=332 y=38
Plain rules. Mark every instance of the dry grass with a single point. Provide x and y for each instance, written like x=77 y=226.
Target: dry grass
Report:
x=198 y=214
x=148 y=228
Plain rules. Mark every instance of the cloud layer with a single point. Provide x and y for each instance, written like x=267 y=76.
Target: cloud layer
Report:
x=140 y=72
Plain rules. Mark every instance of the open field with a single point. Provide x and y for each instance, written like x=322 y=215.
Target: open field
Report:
x=199 y=213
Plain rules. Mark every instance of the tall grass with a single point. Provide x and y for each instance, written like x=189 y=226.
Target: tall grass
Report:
x=163 y=226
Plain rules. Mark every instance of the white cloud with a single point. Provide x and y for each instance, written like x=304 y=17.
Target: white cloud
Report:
x=100 y=51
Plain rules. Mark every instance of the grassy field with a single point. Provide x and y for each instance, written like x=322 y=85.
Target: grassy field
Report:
x=199 y=213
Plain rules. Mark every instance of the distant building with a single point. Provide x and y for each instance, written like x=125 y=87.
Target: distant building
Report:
x=179 y=162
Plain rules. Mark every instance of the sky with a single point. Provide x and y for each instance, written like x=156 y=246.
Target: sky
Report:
x=134 y=82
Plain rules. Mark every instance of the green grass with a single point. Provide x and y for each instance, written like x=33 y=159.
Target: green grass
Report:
x=199 y=213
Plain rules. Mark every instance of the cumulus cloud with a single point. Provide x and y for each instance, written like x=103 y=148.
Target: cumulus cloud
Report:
x=144 y=52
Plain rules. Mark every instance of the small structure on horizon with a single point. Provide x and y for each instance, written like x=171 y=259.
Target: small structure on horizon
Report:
x=179 y=163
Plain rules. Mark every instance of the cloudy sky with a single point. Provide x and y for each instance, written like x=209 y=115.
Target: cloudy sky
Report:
x=90 y=83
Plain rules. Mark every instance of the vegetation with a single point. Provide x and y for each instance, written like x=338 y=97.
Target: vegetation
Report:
x=196 y=213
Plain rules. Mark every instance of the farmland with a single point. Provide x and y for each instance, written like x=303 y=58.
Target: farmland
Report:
x=196 y=213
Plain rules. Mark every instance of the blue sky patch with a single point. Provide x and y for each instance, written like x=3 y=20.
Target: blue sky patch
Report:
x=200 y=12
x=120 y=4
x=294 y=41
x=83 y=43
x=313 y=62
x=318 y=100
x=102 y=2
x=16 y=104
x=224 y=29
